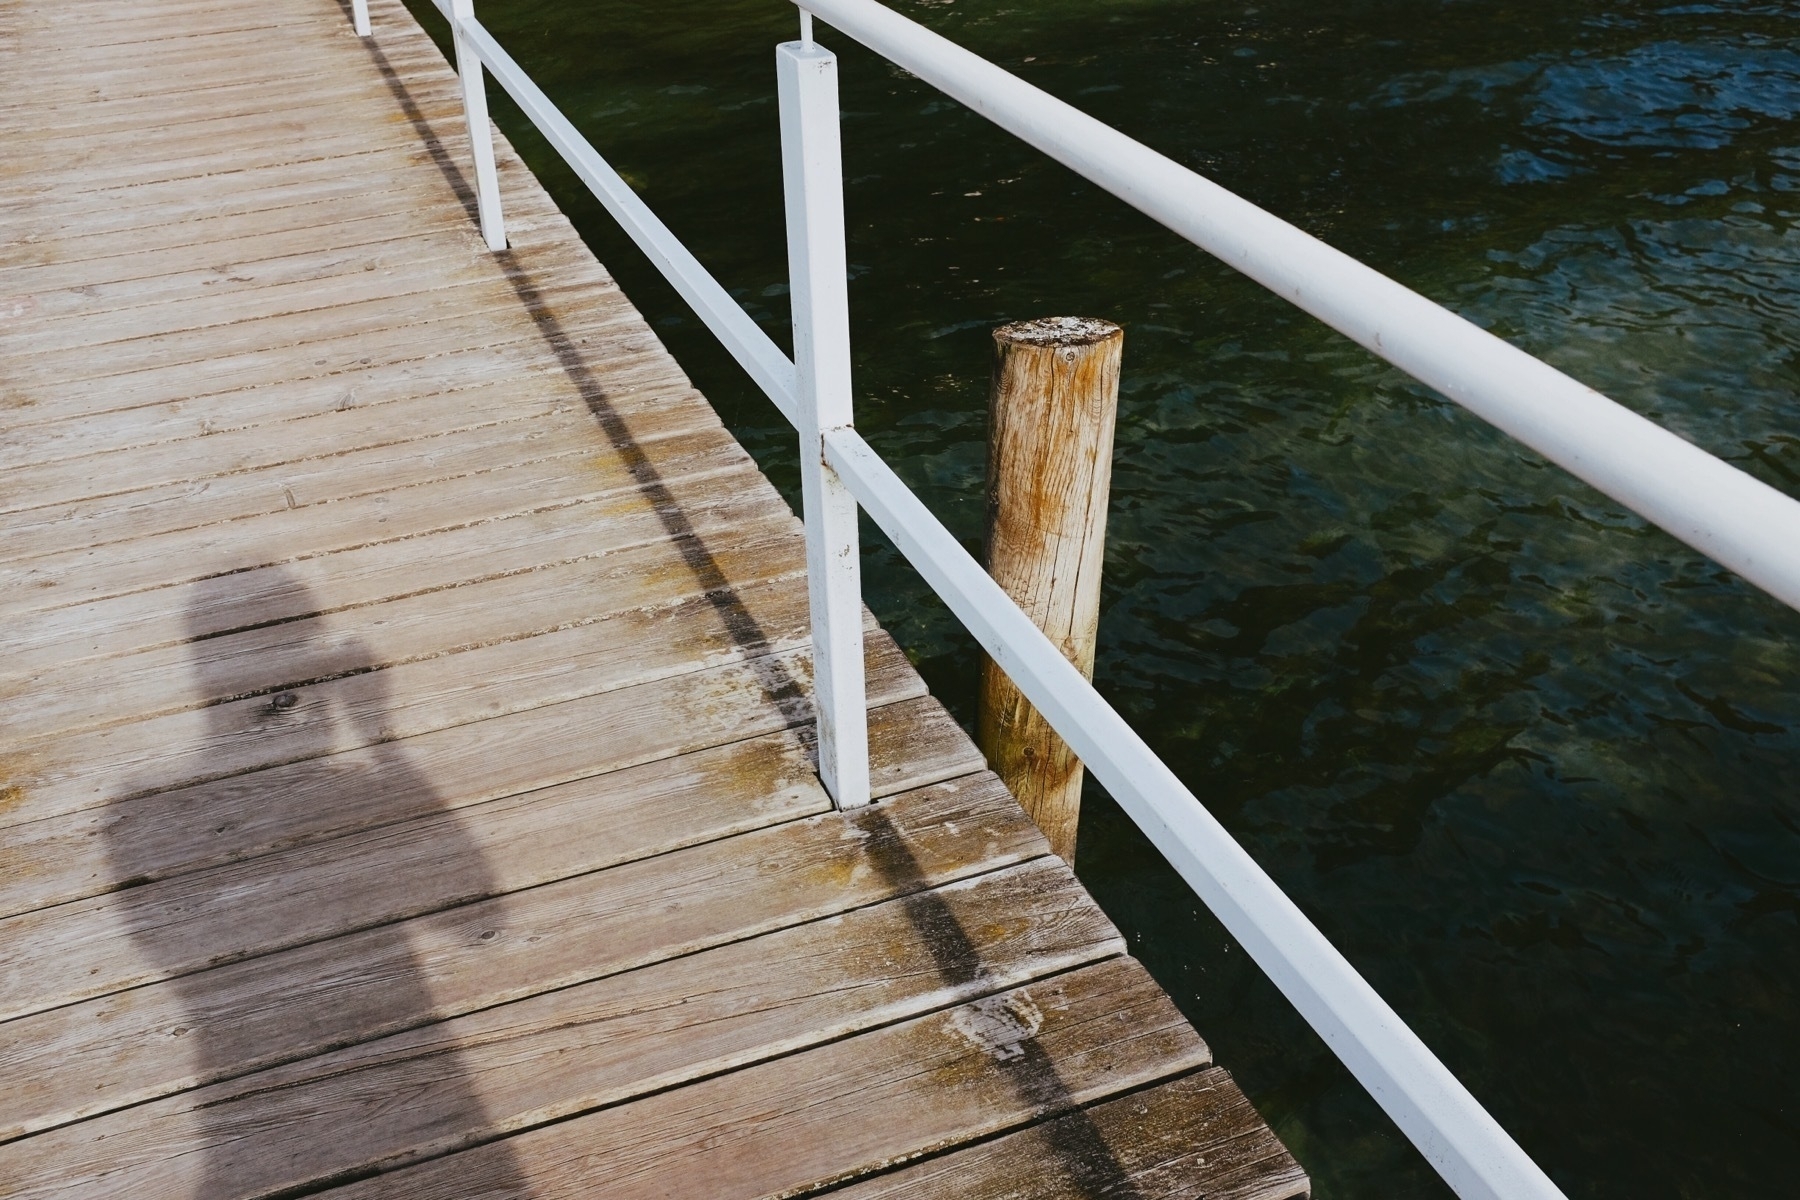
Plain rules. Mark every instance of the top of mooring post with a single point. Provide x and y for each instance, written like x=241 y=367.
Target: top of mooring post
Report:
x=1057 y=331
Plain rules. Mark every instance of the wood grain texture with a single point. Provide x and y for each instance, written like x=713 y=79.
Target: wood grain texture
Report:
x=65 y=772
x=398 y=270
x=159 y=837
x=709 y=503
x=102 y=1054
x=514 y=360
x=312 y=344
x=351 y=473
x=348 y=424
x=642 y=699
x=629 y=727
x=202 y=295
x=88 y=229
x=1051 y=412
x=143 y=353
x=299 y=652
x=407 y=778
x=1193 y=1137
x=846 y=1109
x=571 y=475
x=591 y=1045
x=388 y=175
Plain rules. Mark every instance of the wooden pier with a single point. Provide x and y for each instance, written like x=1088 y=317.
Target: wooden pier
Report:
x=404 y=757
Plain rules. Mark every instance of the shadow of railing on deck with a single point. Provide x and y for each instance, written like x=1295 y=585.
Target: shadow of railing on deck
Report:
x=1079 y=1148
x=778 y=684
x=1077 y=1144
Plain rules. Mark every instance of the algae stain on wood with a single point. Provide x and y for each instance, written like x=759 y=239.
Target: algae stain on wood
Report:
x=12 y=796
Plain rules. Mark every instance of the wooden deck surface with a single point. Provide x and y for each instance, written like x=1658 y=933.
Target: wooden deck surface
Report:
x=404 y=777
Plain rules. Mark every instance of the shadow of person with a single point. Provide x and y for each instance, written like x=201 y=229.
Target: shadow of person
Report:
x=324 y=957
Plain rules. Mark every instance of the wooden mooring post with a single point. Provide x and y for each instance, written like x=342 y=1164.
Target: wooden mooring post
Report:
x=1051 y=411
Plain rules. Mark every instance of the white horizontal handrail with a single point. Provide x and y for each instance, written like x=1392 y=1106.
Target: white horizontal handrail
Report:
x=1739 y=521
x=1730 y=516
x=754 y=350
x=1466 y=1145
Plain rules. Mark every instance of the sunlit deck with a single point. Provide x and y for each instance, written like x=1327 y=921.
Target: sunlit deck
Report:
x=404 y=681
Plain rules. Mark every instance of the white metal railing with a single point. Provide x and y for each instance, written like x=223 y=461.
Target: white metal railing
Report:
x=1737 y=520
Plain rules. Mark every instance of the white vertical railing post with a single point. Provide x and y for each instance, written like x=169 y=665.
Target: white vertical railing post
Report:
x=481 y=133
x=359 y=17
x=812 y=174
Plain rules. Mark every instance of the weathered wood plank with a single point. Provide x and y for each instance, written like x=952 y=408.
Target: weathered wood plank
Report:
x=205 y=296
x=1193 y=1137
x=655 y=717
x=271 y=337
x=279 y=76
x=591 y=1045
x=190 y=555
x=146 y=240
x=522 y=272
x=197 y=291
x=161 y=40
x=195 y=151
x=670 y=832
x=122 y=71
x=46 y=192
x=296 y=654
x=118 y=67
x=325 y=465
x=708 y=663
x=68 y=286
x=128 y=1047
x=167 y=216
x=395 y=175
x=139 y=469
x=568 y=318
x=96 y=115
x=93 y=958
x=296 y=64
x=166 y=834
x=42 y=431
x=122 y=100
x=96 y=27
x=842 y=1110
x=100 y=24
x=70 y=528
x=158 y=210
x=98 y=14
x=701 y=505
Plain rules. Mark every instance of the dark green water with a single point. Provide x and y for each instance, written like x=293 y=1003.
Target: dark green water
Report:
x=1534 y=768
